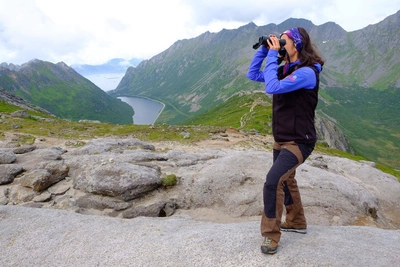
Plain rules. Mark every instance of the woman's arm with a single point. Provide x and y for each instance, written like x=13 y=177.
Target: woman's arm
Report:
x=301 y=78
x=254 y=73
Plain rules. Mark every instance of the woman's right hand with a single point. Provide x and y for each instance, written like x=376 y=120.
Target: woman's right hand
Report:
x=274 y=42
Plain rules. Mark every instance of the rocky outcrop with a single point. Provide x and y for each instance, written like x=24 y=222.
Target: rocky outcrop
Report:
x=20 y=102
x=328 y=132
x=123 y=178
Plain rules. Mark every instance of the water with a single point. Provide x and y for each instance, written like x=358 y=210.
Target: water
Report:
x=146 y=110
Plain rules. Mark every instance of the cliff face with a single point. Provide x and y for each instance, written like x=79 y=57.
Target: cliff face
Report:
x=328 y=132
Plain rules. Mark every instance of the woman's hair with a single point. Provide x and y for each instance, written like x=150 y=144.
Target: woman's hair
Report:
x=309 y=54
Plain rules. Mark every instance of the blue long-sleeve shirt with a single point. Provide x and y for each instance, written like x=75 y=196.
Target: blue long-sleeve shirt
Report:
x=301 y=78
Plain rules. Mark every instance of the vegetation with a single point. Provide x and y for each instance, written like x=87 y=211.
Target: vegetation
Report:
x=169 y=180
x=47 y=126
x=366 y=117
x=255 y=108
x=242 y=111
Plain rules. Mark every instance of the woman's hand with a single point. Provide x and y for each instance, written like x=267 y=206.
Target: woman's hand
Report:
x=274 y=42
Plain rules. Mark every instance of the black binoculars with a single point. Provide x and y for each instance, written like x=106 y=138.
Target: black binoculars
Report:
x=264 y=40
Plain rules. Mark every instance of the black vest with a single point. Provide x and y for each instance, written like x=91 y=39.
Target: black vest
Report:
x=294 y=112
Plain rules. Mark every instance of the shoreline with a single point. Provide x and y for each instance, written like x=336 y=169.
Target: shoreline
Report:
x=147 y=98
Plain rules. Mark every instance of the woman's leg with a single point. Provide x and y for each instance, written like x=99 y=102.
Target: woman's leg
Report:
x=287 y=157
x=294 y=209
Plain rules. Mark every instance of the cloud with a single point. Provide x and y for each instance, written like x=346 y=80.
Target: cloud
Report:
x=93 y=32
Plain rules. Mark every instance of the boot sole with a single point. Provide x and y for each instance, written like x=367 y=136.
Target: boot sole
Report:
x=268 y=251
x=300 y=231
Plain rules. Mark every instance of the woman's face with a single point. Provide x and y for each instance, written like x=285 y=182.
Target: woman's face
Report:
x=290 y=49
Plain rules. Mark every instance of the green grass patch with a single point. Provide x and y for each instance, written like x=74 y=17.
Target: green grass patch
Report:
x=169 y=180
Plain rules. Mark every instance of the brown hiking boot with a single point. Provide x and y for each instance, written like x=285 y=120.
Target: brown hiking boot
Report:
x=269 y=246
x=286 y=228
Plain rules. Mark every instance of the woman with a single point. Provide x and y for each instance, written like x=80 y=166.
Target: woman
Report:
x=294 y=87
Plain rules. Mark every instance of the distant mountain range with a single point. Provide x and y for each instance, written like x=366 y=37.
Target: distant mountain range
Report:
x=116 y=65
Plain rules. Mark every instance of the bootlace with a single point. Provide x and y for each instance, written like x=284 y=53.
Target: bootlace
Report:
x=267 y=241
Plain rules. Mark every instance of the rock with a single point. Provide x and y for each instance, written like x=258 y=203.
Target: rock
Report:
x=330 y=133
x=20 y=114
x=59 y=188
x=24 y=149
x=45 y=175
x=158 y=209
x=3 y=196
x=45 y=196
x=51 y=154
x=30 y=160
x=38 y=179
x=8 y=172
x=7 y=156
x=121 y=180
x=97 y=202
x=108 y=145
x=78 y=240
x=19 y=194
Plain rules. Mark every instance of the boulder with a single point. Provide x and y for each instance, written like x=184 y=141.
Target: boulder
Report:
x=46 y=174
x=8 y=172
x=7 y=156
x=119 y=179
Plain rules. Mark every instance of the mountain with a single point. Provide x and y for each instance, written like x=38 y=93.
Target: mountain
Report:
x=196 y=74
x=359 y=84
x=61 y=91
x=116 y=65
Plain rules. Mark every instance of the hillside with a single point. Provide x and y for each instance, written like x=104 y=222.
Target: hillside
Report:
x=63 y=92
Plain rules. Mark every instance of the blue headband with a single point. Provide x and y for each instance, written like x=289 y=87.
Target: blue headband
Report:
x=295 y=35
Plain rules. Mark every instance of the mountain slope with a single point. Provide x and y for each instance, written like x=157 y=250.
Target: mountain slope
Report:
x=63 y=92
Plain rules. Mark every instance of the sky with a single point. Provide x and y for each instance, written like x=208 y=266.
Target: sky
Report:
x=95 y=31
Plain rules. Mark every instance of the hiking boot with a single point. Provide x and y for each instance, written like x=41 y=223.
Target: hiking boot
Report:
x=286 y=228
x=269 y=246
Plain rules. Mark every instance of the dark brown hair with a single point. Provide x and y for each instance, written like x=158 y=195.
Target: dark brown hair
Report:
x=309 y=54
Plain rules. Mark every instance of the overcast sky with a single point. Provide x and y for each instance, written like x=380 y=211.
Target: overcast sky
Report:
x=95 y=31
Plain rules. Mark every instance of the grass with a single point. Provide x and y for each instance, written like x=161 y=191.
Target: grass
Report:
x=54 y=127
x=255 y=108
x=169 y=180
